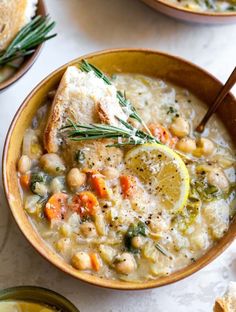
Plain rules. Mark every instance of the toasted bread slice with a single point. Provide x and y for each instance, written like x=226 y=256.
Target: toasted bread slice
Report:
x=14 y=14
x=82 y=98
x=228 y=302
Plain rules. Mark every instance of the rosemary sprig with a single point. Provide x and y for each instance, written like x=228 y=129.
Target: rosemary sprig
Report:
x=127 y=135
x=124 y=102
x=27 y=39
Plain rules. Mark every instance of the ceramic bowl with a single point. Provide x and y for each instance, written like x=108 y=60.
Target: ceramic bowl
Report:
x=29 y=60
x=37 y=295
x=146 y=62
x=189 y=15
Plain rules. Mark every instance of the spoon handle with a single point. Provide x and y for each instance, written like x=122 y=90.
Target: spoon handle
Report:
x=220 y=97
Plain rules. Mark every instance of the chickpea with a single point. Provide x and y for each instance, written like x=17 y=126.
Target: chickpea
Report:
x=179 y=127
x=81 y=261
x=110 y=173
x=75 y=178
x=24 y=164
x=205 y=147
x=217 y=178
x=137 y=242
x=88 y=229
x=52 y=163
x=186 y=145
x=126 y=264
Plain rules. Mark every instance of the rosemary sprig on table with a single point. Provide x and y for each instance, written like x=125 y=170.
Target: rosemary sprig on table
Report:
x=127 y=135
x=124 y=102
x=27 y=39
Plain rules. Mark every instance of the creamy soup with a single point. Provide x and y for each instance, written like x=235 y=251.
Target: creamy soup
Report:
x=9 y=70
x=207 y=5
x=132 y=212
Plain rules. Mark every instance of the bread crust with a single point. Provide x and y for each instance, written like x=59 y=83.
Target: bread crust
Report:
x=50 y=143
x=13 y=16
x=220 y=306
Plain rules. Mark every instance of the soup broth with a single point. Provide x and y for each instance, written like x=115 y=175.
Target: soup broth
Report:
x=113 y=224
x=207 y=5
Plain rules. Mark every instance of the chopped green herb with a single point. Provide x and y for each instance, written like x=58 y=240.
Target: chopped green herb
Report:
x=79 y=157
x=231 y=8
x=171 y=110
x=37 y=177
x=206 y=191
x=210 y=4
x=134 y=230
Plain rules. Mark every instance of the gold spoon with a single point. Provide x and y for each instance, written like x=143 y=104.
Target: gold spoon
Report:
x=218 y=100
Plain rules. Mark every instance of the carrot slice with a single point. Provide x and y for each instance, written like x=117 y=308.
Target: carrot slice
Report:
x=85 y=203
x=128 y=184
x=99 y=185
x=162 y=134
x=56 y=206
x=96 y=265
x=25 y=181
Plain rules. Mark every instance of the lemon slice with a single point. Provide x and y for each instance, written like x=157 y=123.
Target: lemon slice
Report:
x=163 y=172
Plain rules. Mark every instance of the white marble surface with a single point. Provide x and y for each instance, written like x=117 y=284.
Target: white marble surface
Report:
x=86 y=26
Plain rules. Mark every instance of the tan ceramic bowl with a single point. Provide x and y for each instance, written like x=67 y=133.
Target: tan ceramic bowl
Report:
x=29 y=60
x=189 y=15
x=146 y=62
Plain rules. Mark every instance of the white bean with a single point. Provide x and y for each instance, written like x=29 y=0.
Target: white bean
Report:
x=126 y=264
x=81 y=261
x=217 y=178
x=186 y=145
x=205 y=147
x=110 y=173
x=179 y=127
x=75 y=178
x=137 y=242
x=52 y=163
x=24 y=164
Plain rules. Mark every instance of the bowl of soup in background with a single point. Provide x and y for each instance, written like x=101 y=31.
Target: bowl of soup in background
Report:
x=28 y=60
x=191 y=15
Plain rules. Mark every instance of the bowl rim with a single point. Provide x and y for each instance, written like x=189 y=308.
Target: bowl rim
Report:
x=88 y=278
x=192 y=12
x=22 y=70
x=44 y=292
